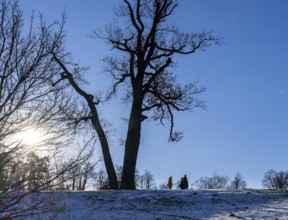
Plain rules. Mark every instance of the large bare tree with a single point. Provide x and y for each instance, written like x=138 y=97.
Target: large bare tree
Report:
x=147 y=45
x=30 y=98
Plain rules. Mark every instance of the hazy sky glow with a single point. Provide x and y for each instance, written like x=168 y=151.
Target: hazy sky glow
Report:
x=245 y=128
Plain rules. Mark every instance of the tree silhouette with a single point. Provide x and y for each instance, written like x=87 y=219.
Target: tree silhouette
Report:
x=147 y=46
x=238 y=182
x=92 y=116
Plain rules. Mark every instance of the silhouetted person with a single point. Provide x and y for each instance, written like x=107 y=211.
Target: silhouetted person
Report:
x=169 y=184
x=182 y=183
x=185 y=182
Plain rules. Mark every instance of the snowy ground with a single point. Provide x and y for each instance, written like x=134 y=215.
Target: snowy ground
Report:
x=173 y=204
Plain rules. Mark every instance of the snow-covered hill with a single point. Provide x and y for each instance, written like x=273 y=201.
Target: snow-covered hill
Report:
x=173 y=204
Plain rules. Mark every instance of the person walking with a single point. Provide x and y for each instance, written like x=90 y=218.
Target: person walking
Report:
x=169 y=184
x=185 y=182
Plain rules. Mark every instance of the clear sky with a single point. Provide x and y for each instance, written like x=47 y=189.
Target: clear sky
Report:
x=245 y=128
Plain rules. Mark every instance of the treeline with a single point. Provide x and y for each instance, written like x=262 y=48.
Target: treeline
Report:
x=35 y=173
x=142 y=181
x=271 y=180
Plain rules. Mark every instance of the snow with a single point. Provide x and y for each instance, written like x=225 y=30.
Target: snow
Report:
x=171 y=204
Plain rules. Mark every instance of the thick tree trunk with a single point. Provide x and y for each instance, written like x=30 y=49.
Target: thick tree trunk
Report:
x=132 y=145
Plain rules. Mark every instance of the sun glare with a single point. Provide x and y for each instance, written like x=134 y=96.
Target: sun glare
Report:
x=31 y=137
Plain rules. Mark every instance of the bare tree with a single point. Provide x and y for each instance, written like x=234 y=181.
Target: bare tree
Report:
x=12 y=174
x=148 y=46
x=275 y=180
x=281 y=180
x=238 y=182
x=77 y=177
x=37 y=170
x=216 y=181
x=30 y=98
x=147 y=180
x=91 y=115
x=27 y=95
x=100 y=180
x=268 y=179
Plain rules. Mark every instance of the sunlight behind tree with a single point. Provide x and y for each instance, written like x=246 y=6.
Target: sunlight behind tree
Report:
x=31 y=137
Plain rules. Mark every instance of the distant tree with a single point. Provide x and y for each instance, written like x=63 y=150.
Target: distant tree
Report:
x=201 y=183
x=238 y=182
x=31 y=175
x=37 y=171
x=13 y=173
x=275 y=180
x=216 y=181
x=85 y=173
x=269 y=179
x=5 y=159
x=119 y=170
x=77 y=177
x=100 y=180
x=282 y=180
x=147 y=180
x=137 y=179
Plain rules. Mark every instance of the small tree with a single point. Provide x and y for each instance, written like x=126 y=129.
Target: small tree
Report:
x=269 y=179
x=281 y=180
x=275 y=180
x=37 y=171
x=238 y=182
x=147 y=180
x=13 y=174
x=216 y=181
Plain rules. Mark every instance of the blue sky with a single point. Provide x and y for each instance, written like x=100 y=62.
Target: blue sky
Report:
x=245 y=128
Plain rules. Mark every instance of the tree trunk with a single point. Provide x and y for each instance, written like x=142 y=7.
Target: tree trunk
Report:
x=96 y=124
x=73 y=183
x=84 y=182
x=113 y=183
x=132 y=145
